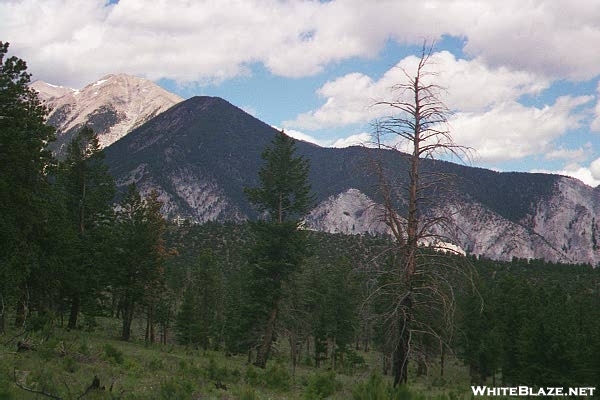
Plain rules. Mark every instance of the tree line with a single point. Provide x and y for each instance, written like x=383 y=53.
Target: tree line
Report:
x=66 y=248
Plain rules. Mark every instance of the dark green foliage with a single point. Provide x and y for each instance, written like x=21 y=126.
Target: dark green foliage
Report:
x=113 y=354
x=275 y=377
x=538 y=325
x=331 y=297
x=175 y=388
x=321 y=385
x=26 y=244
x=187 y=324
x=376 y=388
x=201 y=313
x=138 y=274
x=284 y=192
x=87 y=190
x=280 y=247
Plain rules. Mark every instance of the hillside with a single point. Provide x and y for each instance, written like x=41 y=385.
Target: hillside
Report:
x=201 y=153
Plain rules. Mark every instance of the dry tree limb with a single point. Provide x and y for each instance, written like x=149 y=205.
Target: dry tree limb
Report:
x=23 y=387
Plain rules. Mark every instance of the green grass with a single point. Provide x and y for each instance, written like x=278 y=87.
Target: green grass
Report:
x=64 y=364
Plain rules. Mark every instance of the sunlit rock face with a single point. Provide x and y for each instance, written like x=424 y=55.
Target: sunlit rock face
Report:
x=113 y=106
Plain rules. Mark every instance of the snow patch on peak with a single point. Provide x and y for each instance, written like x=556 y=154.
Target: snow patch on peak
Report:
x=47 y=91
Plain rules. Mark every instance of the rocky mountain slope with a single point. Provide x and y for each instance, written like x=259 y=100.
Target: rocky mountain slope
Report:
x=112 y=106
x=201 y=153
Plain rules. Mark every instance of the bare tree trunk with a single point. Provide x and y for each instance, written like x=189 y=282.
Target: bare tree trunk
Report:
x=74 y=313
x=164 y=332
x=150 y=337
x=2 y=315
x=293 y=350
x=264 y=350
x=442 y=358
x=401 y=353
x=21 y=310
x=127 y=319
x=386 y=363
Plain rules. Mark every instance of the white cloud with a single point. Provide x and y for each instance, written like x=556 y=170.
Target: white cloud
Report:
x=469 y=86
x=359 y=139
x=511 y=131
x=570 y=155
x=72 y=42
x=595 y=124
x=550 y=37
x=588 y=175
x=301 y=136
x=595 y=169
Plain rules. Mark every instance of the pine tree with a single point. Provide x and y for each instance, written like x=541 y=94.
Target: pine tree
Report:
x=199 y=319
x=88 y=192
x=284 y=195
x=138 y=277
x=24 y=187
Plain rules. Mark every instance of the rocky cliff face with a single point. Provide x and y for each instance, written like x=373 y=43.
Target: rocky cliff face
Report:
x=351 y=212
x=112 y=106
x=569 y=220
x=562 y=227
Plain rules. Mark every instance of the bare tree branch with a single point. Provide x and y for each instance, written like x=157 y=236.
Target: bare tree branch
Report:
x=41 y=392
x=416 y=290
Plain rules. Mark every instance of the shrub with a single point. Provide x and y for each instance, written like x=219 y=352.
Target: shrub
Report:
x=277 y=377
x=321 y=385
x=377 y=389
x=248 y=393
x=113 y=354
x=155 y=364
x=253 y=376
x=69 y=364
x=216 y=372
x=176 y=389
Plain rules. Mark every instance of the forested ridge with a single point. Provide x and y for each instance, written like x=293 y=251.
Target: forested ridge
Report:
x=106 y=291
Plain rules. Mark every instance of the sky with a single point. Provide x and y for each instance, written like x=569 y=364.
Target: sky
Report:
x=521 y=77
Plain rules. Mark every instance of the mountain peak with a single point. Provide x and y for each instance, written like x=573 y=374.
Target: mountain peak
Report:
x=47 y=91
x=121 y=78
x=113 y=106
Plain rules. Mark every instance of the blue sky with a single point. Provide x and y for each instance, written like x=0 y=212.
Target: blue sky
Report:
x=522 y=77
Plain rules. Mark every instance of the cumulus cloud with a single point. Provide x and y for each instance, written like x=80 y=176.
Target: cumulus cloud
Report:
x=589 y=175
x=570 y=155
x=359 y=139
x=511 y=131
x=549 y=37
x=302 y=136
x=210 y=41
x=469 y=86
x=595 y=124
x=514 y=48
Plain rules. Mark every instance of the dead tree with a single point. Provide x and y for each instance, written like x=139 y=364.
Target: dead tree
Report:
x=415 y=289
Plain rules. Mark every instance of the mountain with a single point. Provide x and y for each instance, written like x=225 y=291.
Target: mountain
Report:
x=201 y=153
x=112 y=106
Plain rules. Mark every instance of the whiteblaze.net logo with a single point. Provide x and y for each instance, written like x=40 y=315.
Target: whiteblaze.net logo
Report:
x=530 y=391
